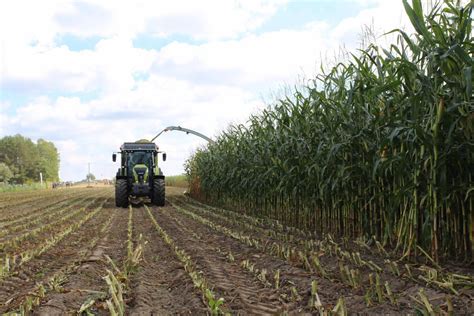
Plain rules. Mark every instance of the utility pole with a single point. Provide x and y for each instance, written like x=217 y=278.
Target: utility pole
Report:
x=19 y=162
x=89 y=173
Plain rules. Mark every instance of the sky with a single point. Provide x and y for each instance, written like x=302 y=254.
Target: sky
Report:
x=89 y=75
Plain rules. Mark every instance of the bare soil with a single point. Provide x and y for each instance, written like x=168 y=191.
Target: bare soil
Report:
x=161 y=286
x=71 y=272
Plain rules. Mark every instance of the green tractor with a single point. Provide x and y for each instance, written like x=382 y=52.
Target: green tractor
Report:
x=139 y=174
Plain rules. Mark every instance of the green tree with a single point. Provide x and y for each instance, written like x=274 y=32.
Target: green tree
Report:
x=26 y=160
x=90 y=177
x=48 y=160
x=21 y=156
x=5 y=173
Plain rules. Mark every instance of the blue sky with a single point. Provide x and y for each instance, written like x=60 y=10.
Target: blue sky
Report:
x=89 y=75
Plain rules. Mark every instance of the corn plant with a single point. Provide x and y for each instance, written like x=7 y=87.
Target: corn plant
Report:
x=85 y=307
x=130 y=232
x=340 y=308
x=214 y=305
x=115 y=304
x=379 y=145
x=314 y=301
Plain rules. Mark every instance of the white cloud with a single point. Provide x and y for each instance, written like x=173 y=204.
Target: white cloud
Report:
x=91 y=131
x=260 y=61
x=251 y=61
x=384 y=17
x=32 y=61
x=110 y=66
x=25 y=21
x=3 y=117
x=204 y=86
x=210 y=19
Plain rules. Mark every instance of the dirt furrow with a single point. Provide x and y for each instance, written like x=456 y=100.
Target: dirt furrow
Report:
x=243 y=294
x=256 y=265
x=291 y=275
x=160 y=286
x=12 y=201
x=25 y=244
x=20 y=223
x=84 y=283
x=40 y=268
x=403 y=289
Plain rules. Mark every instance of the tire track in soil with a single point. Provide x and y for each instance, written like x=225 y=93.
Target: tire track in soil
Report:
x=242 y=293
x=291 y=275
x=85 y=281
x=39 y=269
x=353 y=297
x=160 y=286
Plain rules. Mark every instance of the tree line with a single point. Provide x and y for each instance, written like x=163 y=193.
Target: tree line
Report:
x=22 y=160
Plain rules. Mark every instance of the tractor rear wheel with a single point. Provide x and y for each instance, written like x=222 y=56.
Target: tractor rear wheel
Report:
x=121 y=193
x=159 y=192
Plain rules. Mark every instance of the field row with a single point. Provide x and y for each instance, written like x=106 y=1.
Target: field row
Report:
x=82 y=254
x=323 y=275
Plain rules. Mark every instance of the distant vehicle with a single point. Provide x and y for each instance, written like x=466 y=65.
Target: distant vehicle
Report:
x=62 y=184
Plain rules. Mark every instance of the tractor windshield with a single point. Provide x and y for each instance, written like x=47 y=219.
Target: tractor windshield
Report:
x=139 y=158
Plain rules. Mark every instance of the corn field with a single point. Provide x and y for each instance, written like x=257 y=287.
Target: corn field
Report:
x=353 y=195
x=380 y=146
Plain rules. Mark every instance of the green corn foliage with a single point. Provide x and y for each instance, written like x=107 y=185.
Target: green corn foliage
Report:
x=381 y=145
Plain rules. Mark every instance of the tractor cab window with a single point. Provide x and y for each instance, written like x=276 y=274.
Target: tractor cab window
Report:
x=139 y=158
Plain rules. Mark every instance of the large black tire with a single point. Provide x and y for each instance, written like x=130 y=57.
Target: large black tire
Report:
x=121 y=193
x=158 y=197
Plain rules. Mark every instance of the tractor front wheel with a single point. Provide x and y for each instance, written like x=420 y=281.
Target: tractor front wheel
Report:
x=121 y=193
x=159 y=192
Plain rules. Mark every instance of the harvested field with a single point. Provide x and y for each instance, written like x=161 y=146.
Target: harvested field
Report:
x=72 y=250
